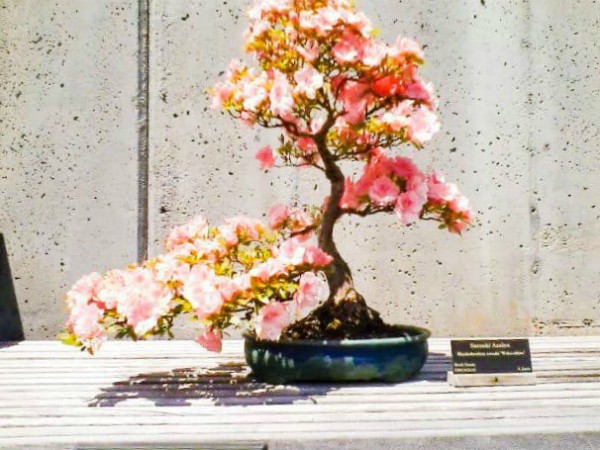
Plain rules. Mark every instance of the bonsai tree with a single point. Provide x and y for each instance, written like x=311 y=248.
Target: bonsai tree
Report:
x=337 y=94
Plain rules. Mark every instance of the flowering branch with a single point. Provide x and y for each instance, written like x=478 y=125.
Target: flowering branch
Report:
x=210 y=274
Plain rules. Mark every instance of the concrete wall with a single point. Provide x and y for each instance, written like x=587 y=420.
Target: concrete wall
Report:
x=89 y=180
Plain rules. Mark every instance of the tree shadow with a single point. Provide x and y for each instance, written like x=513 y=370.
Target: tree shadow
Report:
x=228 y=384
x=436 y=368
x=232 y=384
x=11 y=327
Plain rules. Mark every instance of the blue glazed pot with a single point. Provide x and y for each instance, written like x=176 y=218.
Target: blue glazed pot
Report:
x=387 y=359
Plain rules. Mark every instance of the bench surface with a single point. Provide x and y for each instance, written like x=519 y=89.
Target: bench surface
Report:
x=173 y=394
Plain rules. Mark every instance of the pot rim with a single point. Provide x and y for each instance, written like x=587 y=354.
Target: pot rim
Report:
x=422 y=334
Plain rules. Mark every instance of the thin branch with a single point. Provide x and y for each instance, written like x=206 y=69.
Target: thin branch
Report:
x=300 y=165
x=305 y=230
x=368 y=211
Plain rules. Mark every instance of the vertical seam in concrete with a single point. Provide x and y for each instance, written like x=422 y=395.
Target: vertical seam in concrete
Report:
x=532 y=204
x=143 y=126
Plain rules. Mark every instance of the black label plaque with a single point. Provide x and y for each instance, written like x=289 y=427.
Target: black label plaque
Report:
x=491 y=356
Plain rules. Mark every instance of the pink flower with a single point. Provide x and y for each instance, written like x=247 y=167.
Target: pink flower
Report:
x=229 y=235
x=261 y=7
x=406 y=48
x=307 y=20
x=408 y=207
x=299 y=220
x=357 y=19
x=459 y=204
x=85 y=289
x=171 y=268
x=282 y=101
x=439 y=191
x=379 y=166
x=211 y=340
x=186 y=233
x=228 y=288
x=85 y=312
x=84 y=322
x=355 y=98
x=418 y=90
x=311 y=290
x=145 y=300
x=423 y=124
x=244 y=281
x=326 y=19
x=270 y=268
x=373 y=53
x=211 y=249
x=404 y=167
x=291 y=251
x=419 y=185
x=383 y=191
x=254 y=93
x=235 y=68
x=308 y=81
x=256 y=29
x=265 y=157
x=437 y=177
x=316 y=257
x=309 y=52
x=348 y=49
x=462 y=215
x=398 y=117
x=200 y=289
x=350 y=199
x=111 y=289
x=306 y=144
x=386 y=86
x=271 y=321
x=277 y=215
x=245 y=227
x=221 y=94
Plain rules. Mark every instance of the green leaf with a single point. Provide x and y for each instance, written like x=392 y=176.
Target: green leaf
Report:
x=69 y=339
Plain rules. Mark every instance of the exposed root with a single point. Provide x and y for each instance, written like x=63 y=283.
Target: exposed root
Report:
x=347 y=319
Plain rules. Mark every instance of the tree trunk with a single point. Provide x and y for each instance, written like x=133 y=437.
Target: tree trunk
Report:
x=339 y=276
x=345 y=314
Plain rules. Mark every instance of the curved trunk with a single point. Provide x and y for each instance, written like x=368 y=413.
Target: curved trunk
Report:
x=339 y=276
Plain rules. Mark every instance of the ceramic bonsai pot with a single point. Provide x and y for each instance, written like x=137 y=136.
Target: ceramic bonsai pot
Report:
x=391 y=359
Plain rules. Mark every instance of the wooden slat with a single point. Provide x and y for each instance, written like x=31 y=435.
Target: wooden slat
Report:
x=174 y=392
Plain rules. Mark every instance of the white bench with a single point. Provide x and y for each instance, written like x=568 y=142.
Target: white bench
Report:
x=173 y=394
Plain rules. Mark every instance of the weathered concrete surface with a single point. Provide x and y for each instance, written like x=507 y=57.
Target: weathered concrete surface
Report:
x=519 y=88
x=564 y=177
x=68 y=146
x=201 y=161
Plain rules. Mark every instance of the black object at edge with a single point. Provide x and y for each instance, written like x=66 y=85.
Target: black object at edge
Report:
x=11 y=326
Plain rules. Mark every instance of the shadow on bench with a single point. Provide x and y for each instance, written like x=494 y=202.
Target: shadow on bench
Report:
x=226 y=385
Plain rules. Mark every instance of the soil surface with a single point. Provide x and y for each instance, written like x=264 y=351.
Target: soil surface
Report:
x=345 y=320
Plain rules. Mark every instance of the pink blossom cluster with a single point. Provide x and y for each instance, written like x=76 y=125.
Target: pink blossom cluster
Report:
x=211 y=273
x=397 y=184
x=295 y=220
x=323 y=77
x=320 y=57
x=136 y=295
